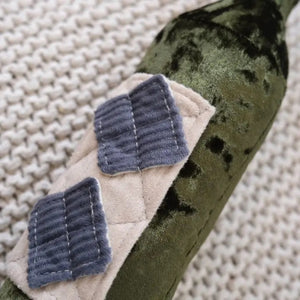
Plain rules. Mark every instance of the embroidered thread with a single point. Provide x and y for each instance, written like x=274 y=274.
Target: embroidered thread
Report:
x=135 y=135
x=142 y=129
x=78 y=217
x=67 y=233
x=35 y=237
x=171 y=121
x=93 y=222
x=104 y=146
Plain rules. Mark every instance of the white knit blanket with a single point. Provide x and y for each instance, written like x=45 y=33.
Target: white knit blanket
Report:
x=59 y=57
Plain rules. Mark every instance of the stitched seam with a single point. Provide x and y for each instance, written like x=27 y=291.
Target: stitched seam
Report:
x=134 y=126
x=132 y=226
x=85 y=228
x=123 y=240
x=135 y=134
x=88 y=153
x=67 y=270
x=137 y=155
x=145 y=208
x=116 y=253
x=143 y=196
x=104 y=145
x=207 y=219
x=169 y=112
x=193 y=116
x=139 y=79
x=175 y=89
x=115 y=137
x=68 y=241
x=47 y=273
x=93 y=222
x=133 y=223
x=35 y=238
x=59 y=194
x=67 y=233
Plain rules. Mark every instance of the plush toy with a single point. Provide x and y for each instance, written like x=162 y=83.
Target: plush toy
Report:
x=233 y=54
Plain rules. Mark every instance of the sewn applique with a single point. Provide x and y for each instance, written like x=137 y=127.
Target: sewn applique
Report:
x=68 y=235
x=139 y=130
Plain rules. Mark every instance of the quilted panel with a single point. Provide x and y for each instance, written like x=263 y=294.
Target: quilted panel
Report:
x=130 y=200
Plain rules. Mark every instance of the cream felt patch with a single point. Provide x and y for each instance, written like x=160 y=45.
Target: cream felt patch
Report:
x=130 y=200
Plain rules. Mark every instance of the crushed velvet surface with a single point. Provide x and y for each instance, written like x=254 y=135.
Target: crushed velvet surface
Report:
x=234 y=54
x=9 y=291
x=240 y=69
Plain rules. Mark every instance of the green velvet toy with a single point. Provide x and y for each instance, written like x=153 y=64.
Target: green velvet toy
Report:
x=233 y=53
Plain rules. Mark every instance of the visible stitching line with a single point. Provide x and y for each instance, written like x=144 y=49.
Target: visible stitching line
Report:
x=123 y=240
x=55 y=272
x=35 y=238
x=59 y=194
x=192 y=116
x=96 y=148
x=146 y=217
x=104 y=145
x=133 y=224
x=84 y=229
x=68 y=241
x=116 y=254
x=137 y=155
x=139 y=80
x=169 y=112
x=67 y=233
x=143 y=196
x=135 y=135
x=117 y=136
x=67 y=270
x=207 y=219
x=177 y=89
x=93 y=222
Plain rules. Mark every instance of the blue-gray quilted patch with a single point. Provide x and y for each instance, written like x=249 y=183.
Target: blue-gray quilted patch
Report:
x=139 y=130
x=68 y=236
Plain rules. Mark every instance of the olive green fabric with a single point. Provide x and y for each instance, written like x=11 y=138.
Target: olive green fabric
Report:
x=285 y=7
x=233 y=53
x=10 y=292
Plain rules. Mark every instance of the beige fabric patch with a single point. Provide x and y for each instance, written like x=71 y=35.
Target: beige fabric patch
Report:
x=130 y=200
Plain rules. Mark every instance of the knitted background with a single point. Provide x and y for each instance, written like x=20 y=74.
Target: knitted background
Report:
x=59 y=58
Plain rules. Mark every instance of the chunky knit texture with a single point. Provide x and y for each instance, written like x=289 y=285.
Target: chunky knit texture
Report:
x=59 y=59
x=68 y=235
x=140 y=129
